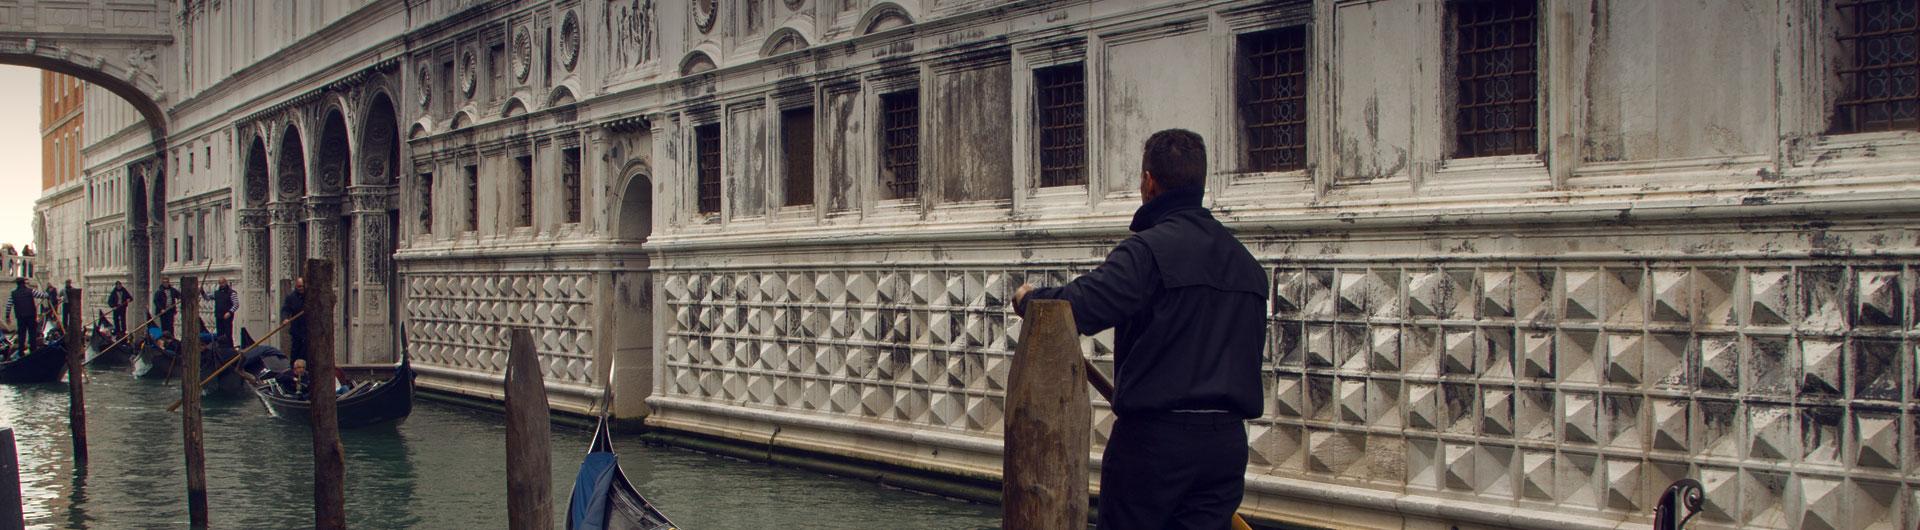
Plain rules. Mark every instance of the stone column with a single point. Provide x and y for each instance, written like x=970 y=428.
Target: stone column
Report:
x=372 y=332
x=323 y=221
x=258 y=310
x=285 y=254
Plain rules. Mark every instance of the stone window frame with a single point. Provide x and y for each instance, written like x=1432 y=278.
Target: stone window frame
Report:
x=423 y=199
x=1456 y=52
x=781 y=187
x=879 y=87
x=1242 y=81
x=706 y=175
x=470 y=171
x=571 y=168
x=1053 y=97
x=526 y=208
x=1028 y=195
x=1847 y=31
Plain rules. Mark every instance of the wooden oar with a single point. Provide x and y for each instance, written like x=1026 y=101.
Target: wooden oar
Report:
x=1105 y=387
x=240 y=353
x=142 y=326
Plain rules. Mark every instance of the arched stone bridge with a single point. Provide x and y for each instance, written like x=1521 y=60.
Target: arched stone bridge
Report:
x=120 y=45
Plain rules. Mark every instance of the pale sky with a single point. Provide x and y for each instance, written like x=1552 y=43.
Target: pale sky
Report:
x=19 y=152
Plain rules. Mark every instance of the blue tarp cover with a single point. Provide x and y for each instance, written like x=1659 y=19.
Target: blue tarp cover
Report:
x=588 y=509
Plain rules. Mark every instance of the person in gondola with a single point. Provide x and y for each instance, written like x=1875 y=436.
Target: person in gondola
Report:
x=294 y=382
x=225 y=301
x=21 y=309
x=52 y=309
x=164 y=300
x=291 y=309
x=1187 y=303
x=118 y=300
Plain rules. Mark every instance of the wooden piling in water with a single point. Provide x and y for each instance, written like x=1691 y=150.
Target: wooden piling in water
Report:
x=195 y=442
x=1048 y=424
x=329 y=465
x=529 y=461
x=76 y=375
x=12 y=513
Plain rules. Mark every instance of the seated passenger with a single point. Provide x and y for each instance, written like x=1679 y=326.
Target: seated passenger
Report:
x=293 y=383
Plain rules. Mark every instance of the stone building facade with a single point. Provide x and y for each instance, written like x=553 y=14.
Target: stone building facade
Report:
x=59 y=214
x=1531 y=261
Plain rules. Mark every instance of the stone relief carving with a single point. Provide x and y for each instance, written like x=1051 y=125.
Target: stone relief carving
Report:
x=703 y=14
x=469 y=73
x=570 y=40
x=140 y=61
x=522 y=54
x=632 y=40
x=795 y=4
x=425 y=86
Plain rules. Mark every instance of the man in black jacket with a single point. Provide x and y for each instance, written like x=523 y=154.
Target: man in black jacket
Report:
x=20 y=307
x=1188 y=303
x=118 y=300
x=164 y=300
x=292 y=308
x=225 y=301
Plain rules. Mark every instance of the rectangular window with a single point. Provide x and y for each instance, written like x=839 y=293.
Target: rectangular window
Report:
x=1495 y=66
x=900 y=144
x=525 y=166
x=426 y=203
x=1061 y=94
x=570 y=177
x=497 y=70
x=473 y=198
x=796 y=140
x=1273 y=99
x=706 y=145
x=1879 y=66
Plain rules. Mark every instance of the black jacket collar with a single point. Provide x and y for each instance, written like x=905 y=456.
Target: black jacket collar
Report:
x=1167 y=203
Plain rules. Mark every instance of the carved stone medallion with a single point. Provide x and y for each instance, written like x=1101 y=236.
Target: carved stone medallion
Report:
x=425 y=86
x=570 y=40
x=469 y=73
x=703 y=14
x=522 y=54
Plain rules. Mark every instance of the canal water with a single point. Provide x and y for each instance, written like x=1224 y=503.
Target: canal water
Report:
x=443 y=468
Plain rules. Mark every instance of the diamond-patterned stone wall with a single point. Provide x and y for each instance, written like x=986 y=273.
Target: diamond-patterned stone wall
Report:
x=461 y=320
x=1787 y=388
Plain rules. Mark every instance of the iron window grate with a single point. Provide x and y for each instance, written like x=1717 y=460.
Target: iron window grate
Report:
x=426 y=203
x=1882 y=73
x=526 y=190
x=570 y=176
x=900 y=114
x=707 y=157
x=1273 y=98
x=1061 y=92
x=1496 y=64
x=796 y=138
x=473 y=198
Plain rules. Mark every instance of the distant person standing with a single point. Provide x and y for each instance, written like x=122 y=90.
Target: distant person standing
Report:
x=292 y=313
x=225 y=301
x=1187 y=303
x=164 y=300
x=21 y=308
x=52 y=296
x=118 y=300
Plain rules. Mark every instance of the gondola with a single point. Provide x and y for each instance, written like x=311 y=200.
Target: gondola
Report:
x=379 y=395
x=99 y=337
x=42 y=365
x=603 y=498
x=159 y=356
x=232 y=382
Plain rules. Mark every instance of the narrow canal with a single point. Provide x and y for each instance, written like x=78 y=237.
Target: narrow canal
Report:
x=443 y=468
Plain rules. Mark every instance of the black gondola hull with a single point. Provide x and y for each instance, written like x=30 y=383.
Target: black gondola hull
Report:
x=390 y=402
x=40 y=366
x=155 y=363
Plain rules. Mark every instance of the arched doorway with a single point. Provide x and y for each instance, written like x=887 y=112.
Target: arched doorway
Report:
x=288 y=227
x=256 y=240
x=330 y=224
x=375 y=223
x=633 y=368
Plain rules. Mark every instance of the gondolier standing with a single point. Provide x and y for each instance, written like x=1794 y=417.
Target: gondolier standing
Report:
x=21 y=309
x=52 y=296
x=291 y=308
x=164 y=300
x=225 y=301
x=1188 y=303
x=118 y=300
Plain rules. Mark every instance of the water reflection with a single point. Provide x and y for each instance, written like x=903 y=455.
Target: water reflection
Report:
x=443 y=468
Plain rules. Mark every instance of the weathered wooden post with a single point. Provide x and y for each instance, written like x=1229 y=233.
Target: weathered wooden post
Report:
x=329 y=465
x=194 y=441
x=76 y=375
x=529 y=487
x=12 y=514
x=1049 y=422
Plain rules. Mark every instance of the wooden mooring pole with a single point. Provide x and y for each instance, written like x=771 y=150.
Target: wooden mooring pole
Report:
x=1049 y=424
x=76 y=375
x=195 y=442
x=12 y=514
x=329 y=464
x=529 y=486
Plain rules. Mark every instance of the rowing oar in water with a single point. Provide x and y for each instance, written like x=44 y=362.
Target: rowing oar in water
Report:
x=143 y=325
x=238 y=354
x=1105 y=387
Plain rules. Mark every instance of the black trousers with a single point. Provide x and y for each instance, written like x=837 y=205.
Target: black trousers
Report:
x=296 y=342
x=119 y=323
x=223 y=329
x=24 y=328
x=1173 y=470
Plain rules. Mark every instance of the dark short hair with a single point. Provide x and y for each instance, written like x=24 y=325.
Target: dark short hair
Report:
x=1177 y=158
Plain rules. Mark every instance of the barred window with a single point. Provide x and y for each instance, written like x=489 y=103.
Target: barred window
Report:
x=796 y=140
x=525 y=164
x=1062 y=96
x=570 y=177
x=1880 y=66
x=900 y=144
x=1495 y=66
x=706 y=145
x=1273 y=98
x=426 y=203
x=473 y=198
